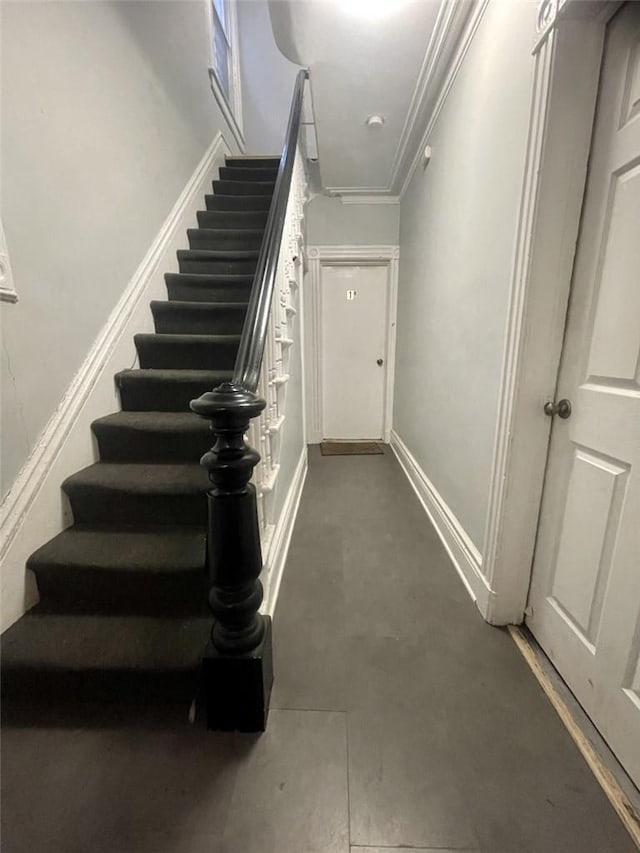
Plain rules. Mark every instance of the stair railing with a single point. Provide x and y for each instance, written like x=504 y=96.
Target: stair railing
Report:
x=237 y=664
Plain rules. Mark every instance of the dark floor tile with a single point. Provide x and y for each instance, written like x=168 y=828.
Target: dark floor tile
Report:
x=402 y=788
x=92 y=790
x=291 y=790
x=402 y=784
x=356 y=849
x=310 y=623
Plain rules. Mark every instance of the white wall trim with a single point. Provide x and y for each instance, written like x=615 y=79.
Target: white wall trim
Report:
x=232 y=112
x=552 y=12
x=370 y=199
x=31 y=513
x=449 y=34
x=448 y=26
x=226 y=111
x=438 y=42
x=566 y=79
x=317 y=257
x=465 y=557
x=278 y=547
x=455 y=64
x=359 y=252
x=358 y=192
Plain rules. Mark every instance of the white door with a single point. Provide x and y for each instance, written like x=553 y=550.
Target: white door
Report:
x=585 y=590
x=354 y=320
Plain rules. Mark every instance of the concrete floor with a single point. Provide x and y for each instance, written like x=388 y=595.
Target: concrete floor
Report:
x=399 y=720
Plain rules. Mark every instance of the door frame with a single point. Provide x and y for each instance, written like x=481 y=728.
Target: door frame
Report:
x=345 y=255
x=568 y=53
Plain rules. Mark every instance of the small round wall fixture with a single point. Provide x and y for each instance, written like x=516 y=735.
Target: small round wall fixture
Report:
x=374 y=120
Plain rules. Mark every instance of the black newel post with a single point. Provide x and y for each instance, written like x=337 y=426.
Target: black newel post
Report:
x=238 y=671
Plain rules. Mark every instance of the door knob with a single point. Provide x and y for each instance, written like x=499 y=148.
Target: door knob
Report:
x=380 y=362
x=562 y=408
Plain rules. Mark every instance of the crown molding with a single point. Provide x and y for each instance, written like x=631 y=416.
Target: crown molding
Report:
x=448 y=14
x=454 y=65
x=455 y=25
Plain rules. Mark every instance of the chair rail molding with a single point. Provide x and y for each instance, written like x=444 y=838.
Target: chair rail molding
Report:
x=567 y=54
x=316 y=258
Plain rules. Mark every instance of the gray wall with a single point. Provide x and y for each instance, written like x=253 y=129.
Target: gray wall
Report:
x=106 y=111
x=457 y=235
x=329 y=222
x=267 y=80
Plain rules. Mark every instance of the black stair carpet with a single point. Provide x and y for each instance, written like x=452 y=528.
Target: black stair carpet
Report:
x=123 y=610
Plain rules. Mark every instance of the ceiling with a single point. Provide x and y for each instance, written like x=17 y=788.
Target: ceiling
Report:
x=368 y=57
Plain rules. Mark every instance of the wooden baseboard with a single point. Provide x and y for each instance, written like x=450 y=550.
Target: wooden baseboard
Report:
x=623 y=806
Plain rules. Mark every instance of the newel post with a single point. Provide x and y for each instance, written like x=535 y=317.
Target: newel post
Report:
x=237 y=665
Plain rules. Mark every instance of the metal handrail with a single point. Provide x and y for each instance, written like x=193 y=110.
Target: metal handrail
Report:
x=246 y=373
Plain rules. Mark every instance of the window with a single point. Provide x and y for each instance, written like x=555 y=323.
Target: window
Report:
x=224 y=71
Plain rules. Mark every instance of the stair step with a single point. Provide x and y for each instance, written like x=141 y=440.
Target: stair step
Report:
x=249 y=162
x=225 y=239
x=187 y=352
x=261 y=174
x=232 y=220
x=205 y=261
x=151 y=570
x=244 y=188
x=166 y=390
x=137 y=493
x=196 y=287
x=249 y=203
x=152 y=437
x=199 y=318
x=80 y=658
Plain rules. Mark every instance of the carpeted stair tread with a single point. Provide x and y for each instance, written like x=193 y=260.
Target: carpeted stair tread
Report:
x=188 y=352
x=249 y=173
x=251 y=203
x=148 y=569
x=138 y=493
x=242 y=161
x=154 y=549
x=165 y=390
x=223 y=263
x=85 y=643
x=140 y=478
x=233 y=220
x=198 y=318
x=228 y=239
x=244 y=188
x=222 y=254
x=52 y=660
x=200 y=287
x=152 y=436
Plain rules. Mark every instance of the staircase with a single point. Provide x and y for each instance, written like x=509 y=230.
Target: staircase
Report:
x=123 y=611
